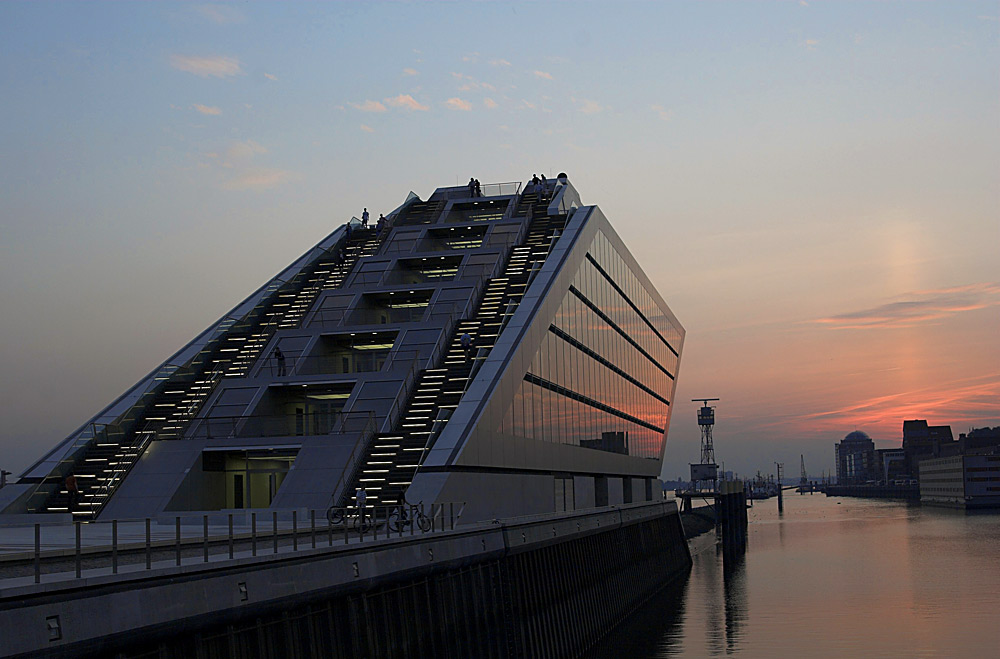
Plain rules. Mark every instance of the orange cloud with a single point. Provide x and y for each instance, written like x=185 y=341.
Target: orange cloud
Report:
x=958 y=402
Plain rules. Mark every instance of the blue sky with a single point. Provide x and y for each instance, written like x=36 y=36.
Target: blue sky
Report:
x=812 y=186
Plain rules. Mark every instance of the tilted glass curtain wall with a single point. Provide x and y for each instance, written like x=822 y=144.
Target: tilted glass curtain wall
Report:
x=605 y=371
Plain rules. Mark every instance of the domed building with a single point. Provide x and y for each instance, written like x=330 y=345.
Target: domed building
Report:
x=855 y=457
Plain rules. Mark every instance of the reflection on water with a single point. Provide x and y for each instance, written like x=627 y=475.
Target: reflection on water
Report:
x=832 y=578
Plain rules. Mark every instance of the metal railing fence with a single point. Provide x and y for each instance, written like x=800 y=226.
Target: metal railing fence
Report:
x=132 y=545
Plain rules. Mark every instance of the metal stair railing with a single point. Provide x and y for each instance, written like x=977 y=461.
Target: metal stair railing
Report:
x=440 y=420
x=403 y=395
x=354 y=461
x=257 y=318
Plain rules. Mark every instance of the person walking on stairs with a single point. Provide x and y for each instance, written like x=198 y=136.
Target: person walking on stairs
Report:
x=466 y=341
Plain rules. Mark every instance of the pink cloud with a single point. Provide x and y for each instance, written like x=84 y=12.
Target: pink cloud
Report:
x=207 y=109
x=258 y=179
x=406 y=102
x=207 y=67
x=918 y=307
x=458 y=104
x=369 y=106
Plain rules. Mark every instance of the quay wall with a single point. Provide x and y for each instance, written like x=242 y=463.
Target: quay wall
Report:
x=910 y=492
x=542 y=586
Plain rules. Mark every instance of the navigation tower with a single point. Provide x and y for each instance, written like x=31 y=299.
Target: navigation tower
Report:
x=706 y=472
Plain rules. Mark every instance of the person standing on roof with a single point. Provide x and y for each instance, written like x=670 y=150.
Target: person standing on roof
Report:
x=479 y=190
x=472 y=187
x=364 y=219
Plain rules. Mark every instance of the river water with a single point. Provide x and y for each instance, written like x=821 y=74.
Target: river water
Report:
x=832 y=577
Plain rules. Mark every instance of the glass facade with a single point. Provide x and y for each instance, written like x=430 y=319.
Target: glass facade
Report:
x=604 y=374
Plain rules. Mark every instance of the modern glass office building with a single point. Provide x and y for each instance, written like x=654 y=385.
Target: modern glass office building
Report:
x=349 y=370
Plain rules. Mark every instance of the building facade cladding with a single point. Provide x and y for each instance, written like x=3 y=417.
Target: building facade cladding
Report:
x=605 y=368
x=855 y=457
x=587 y=362
x=968 y=481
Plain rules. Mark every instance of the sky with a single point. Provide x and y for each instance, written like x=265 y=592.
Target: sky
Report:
x=811 y=186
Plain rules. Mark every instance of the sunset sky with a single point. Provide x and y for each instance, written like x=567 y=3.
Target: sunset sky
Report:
x=812 y=186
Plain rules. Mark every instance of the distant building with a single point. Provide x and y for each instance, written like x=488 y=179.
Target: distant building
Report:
x=978 y=439
x=961 y=481
x=892 y=464
x=921 y=441
x=855 y=458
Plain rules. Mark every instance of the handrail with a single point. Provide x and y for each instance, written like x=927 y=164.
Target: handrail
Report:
x=299 y=364
x=477 y=363
x=277 y=425
x=403 y=394
x=507 y=315
x=291 y=531
x=488 y=190
x=256 y=315
x=440 y=419
x=324 y=317
x=353 y=460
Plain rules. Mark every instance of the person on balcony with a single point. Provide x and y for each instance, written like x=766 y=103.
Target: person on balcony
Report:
x=279 y=357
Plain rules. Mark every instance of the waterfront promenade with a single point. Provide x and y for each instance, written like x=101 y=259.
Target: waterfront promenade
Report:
x=228 y=584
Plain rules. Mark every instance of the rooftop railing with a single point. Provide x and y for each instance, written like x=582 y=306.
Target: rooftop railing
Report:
x=487 y=189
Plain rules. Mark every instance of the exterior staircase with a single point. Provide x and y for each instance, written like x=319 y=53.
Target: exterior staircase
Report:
x=392 y=460
x=166 y=411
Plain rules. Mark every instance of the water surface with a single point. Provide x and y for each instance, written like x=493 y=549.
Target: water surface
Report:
x=833 y=577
